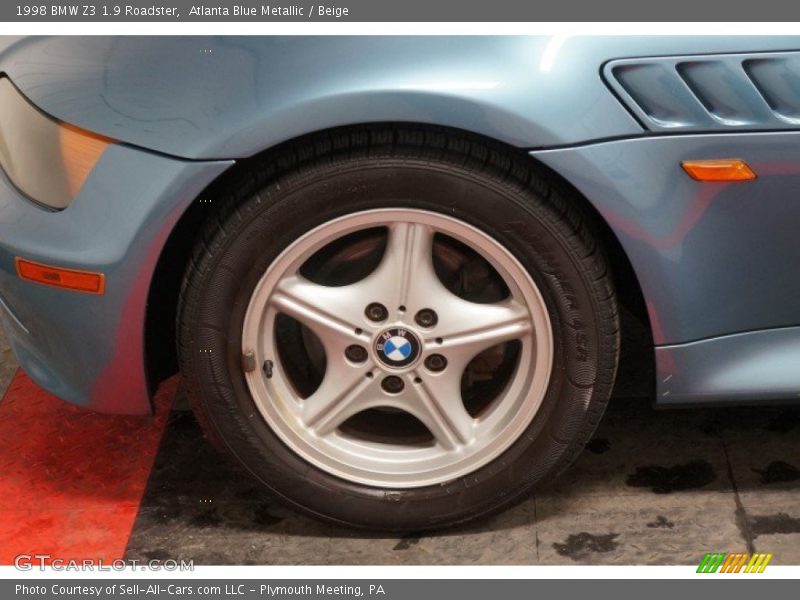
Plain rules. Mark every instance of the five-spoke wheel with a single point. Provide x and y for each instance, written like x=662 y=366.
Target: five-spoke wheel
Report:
x=398 y=339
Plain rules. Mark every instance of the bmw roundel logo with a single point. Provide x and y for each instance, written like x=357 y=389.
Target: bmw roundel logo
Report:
x=397 y=347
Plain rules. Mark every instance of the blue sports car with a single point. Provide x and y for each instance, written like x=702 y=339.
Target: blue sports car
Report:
x=393 y=271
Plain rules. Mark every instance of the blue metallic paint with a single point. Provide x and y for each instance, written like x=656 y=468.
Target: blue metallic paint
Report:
x=89 y=349
x=713 y=259
x=752 y=367
x=229 y=97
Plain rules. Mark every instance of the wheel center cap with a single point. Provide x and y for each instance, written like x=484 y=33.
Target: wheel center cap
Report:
x=397 y=347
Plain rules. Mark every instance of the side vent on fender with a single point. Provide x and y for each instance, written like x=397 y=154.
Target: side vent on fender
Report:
x=710 y=93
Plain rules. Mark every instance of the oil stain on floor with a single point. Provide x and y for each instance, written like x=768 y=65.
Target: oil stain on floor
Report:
x=580 y=547
x=778 y=471
x=779 y=523
x=676 y=478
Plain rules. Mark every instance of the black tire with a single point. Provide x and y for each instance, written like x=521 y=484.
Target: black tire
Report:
x=275 y=199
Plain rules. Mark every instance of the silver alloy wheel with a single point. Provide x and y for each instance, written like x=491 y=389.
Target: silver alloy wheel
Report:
x=404 y=282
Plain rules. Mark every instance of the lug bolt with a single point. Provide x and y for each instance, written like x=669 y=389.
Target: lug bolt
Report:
x=356 y=353
x=426 y=318
x=392 y=384
x=435 y=363
x=376 y=312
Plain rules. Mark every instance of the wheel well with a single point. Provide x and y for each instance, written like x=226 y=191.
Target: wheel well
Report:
x=637 y=361
x=160 y=321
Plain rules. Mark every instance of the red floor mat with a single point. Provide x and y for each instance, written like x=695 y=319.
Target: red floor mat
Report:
x=71 y=480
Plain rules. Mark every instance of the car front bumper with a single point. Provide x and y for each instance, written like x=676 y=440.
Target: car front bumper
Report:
x=89 y=349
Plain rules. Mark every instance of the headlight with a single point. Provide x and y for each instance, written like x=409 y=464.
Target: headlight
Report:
x=47 y=160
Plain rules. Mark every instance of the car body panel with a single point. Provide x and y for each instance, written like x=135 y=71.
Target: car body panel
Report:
x=745 y=368
x=231 y=97
x=89 y=349
x=713 y=260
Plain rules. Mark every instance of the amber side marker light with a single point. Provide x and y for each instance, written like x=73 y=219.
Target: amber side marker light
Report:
x=80 y=151
x=732 y=169
x=69 y=279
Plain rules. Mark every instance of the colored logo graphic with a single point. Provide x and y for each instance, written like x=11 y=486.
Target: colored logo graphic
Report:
x=397 y=347
x=721 y=562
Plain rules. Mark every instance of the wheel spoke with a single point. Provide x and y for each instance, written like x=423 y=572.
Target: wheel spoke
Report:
x=436 y=401
x=410 y=253
x=341 y=395
x=406 y=272
x=329 y=312
x=470 y=328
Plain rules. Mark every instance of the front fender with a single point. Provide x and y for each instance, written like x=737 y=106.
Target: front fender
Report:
x=232 y=97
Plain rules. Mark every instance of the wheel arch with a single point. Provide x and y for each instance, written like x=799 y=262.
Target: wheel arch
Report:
x=163 y=297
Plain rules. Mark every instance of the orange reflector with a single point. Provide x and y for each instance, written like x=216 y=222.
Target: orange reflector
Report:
x=80 y=151
x=718 y=170
x=70 y=279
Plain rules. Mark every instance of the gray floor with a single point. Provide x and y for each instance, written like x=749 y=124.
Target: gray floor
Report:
x=653 y=487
